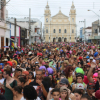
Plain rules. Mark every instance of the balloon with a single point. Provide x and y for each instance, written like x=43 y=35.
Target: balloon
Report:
x=79 y=70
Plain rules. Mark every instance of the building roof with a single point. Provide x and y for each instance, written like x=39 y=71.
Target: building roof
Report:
x=59 y=13
x=25 y=19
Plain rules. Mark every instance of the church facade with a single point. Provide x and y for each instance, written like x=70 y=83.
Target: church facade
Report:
x=60 y=28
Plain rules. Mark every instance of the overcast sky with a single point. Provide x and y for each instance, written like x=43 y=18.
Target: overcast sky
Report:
x=20 y=9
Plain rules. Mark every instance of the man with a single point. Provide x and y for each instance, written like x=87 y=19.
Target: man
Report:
x=90 y=90
x=18 y=72
x=91 y=79
x=39 y=85
x=79 y=79
x=85 y=97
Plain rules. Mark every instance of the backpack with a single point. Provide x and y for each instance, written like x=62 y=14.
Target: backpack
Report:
x=23 y=65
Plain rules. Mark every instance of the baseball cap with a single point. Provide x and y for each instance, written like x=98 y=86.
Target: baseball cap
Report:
x=97 y=94
x=64 y=81
x=36 y=62
x=29 y=53
x=90 y=84
x=91 y=58
x=63 y=89
x=80 y=86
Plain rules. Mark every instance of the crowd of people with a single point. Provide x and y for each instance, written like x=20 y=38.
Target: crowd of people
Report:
x=50 y=71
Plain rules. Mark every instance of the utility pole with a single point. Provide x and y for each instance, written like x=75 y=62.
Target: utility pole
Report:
x=29 y=26
x=15 y=33
x=84 y=30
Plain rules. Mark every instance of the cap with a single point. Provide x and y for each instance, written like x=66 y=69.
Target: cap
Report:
x=26 y=72
x=90 y=84
x=64 y=81
x=91 y=58
x=29 y=53
x=63 y=89
x=80 y=86
x=97 y=94
x=36 y=62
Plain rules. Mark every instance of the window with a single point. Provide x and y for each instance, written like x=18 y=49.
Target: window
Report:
x=65 y=31
x=54 y=31
x=72 y=19
x=44 y=37
x=46 y=30
x=49 y=37
x=96 y=31
x=72 y=30
x=59 y=30
x=70 y=38
x=46 y=19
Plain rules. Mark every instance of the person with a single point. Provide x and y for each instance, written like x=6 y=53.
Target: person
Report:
x=18 y=93
x=28 y=92
x=38 y=83
x=90 y=90
x=55 y=94
x=68 y=72
x=79 y=79
x=64 y=93
x=91 y=79
x=17 y=73
x=78 y=94
x=1 y=83
x=85 y=97
x=21 y=82
x=9 y=84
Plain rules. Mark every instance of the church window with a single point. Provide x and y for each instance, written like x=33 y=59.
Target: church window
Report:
x=72 y=30
x=54 y=31
x=72 y=19
x=46 y=30
x=65 y=31
x=46 y=19
x=59 y=30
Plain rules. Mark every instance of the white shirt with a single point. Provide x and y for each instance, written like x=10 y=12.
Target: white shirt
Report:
x=2 y=80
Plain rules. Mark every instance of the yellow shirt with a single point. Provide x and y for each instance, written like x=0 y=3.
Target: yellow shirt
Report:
x=70 y=79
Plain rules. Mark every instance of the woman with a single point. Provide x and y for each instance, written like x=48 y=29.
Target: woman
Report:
x=9 y=84
x=68 y=72
x=64 y=65
x=18 y=93
x=78 y=94
x=30 y=78
x=64 y=93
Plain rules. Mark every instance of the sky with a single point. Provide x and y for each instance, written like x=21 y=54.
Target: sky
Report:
x=20 y=9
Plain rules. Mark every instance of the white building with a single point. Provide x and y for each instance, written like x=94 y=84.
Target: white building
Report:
x=36 y=27
x=88 y=32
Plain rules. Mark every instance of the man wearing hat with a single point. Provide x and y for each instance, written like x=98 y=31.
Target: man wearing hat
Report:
x=90 y=89
x=91 y=79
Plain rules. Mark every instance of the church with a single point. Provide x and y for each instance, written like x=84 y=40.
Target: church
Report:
x=60 y=28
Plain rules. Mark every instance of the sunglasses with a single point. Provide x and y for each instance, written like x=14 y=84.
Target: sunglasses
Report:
x=91 y=88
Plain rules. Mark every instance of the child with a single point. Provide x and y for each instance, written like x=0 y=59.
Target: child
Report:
x=64 y=93
x=55 y=94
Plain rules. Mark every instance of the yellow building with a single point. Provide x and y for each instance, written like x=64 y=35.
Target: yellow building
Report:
x=60 y=28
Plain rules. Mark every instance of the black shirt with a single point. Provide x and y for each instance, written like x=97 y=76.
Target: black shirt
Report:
x=38 y=88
